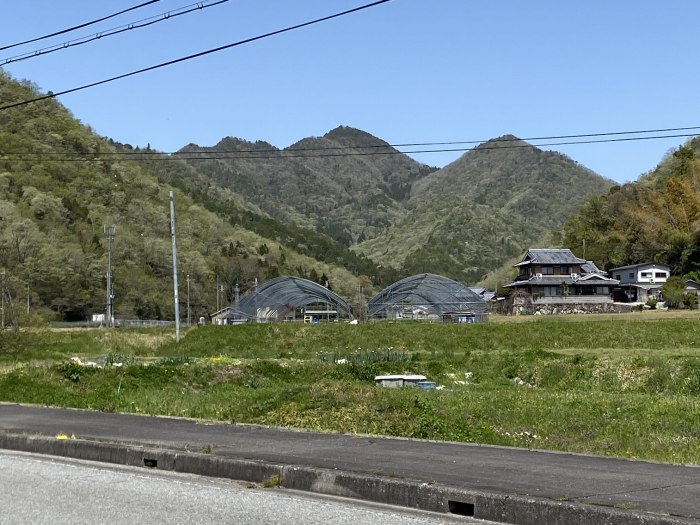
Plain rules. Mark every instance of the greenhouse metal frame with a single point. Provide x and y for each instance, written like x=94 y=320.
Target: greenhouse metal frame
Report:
x=280 y=299
x=428 y=296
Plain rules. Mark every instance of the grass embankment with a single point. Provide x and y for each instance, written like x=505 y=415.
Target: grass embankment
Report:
x=617 y=387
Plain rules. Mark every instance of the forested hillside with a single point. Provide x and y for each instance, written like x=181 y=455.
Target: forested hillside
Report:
x=461 y=221
x=654 y=219
x=470 y=217
x=60 y=184
x=347 y=184
x=346 y=208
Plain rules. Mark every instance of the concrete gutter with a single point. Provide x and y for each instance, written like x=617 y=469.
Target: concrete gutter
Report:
x=436 y=497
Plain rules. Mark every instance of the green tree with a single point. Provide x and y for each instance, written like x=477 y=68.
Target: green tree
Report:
x=674 y=292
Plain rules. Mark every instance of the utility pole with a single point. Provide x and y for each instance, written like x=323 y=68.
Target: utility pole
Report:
x=109 y=233
x=2 y=294
x=362 y=303
x=172 y=235
x=188 y=300
x=217 y=293
x=255 y=297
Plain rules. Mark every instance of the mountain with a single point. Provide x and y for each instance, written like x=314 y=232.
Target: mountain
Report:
x=346 y=207
x=60 y=184
x=483 y=209
x=347 y=184
x=656 y=219
x=462 y=221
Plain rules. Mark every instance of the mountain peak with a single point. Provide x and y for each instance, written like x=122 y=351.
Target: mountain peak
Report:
x=502 y=142
x=357 y=137
x=236 y=144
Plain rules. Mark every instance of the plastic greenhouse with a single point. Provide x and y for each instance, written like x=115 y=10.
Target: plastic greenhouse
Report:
x=290 y=298
x=428 y=296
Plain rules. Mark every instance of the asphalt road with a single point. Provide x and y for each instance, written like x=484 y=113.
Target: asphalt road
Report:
x=38 y=489
x=653 y=489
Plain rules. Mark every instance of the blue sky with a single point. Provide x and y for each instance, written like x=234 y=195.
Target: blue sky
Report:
x=406 y=71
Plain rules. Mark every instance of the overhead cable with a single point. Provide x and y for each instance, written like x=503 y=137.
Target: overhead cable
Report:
x=111 y=32
x=308 y=153
x=284 y=154
x=196 y=55
x=448 y=143
x=80 y=26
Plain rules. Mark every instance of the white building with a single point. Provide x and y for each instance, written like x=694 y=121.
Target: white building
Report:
x=640 y=282
x=399 y=380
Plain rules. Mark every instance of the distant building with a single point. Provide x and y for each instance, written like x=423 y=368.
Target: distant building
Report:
x=396 y=381
x=554 y=280
x=693 y=287
x=226 y=316
x=640 y=282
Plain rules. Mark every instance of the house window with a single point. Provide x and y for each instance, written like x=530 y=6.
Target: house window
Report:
x=647 y=274
x=550 y=291
x=547 y=270
x=660 y=275
x=631 y=275
x=618 y=277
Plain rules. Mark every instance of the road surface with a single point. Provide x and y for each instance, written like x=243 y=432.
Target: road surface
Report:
x=38 y=489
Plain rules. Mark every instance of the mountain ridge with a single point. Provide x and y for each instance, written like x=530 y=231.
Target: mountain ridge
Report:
x=463 y=219
x=489 y=205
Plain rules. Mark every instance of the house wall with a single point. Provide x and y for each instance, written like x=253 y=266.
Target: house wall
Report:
x=572 y=300
x=545 y=269
x=642 y=274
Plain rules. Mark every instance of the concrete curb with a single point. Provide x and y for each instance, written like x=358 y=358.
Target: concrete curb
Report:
x=503 y=508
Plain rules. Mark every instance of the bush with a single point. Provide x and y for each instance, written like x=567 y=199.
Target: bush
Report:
x=690 y=300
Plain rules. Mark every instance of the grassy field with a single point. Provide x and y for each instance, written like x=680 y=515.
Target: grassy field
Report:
x=615 y=385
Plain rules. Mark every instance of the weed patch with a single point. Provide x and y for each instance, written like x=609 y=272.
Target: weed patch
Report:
x=615 y=387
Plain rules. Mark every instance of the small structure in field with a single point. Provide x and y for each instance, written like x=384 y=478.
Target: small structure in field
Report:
x=399 y=380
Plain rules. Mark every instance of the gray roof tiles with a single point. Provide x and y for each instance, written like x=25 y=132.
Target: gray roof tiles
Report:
x=550 y=256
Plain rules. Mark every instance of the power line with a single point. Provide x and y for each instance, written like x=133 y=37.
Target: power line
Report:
x=184 y=156
x=111 y=32
x=556 y=137
x=347 y=150
x=458 y=142
x=448 y=143
x=197 y=55
x=80 y=26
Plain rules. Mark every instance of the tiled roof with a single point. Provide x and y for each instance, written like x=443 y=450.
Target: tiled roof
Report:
x=550 y=256
x=556 y=280
x=633 y=266
x=590 y=267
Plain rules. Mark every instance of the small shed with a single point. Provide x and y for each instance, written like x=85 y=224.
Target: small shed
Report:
x=226 y=316
x=399 y=380
x=692 y=286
